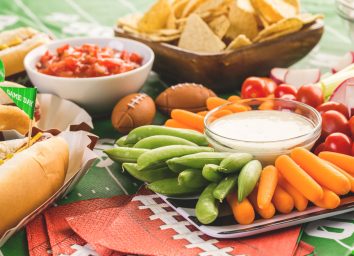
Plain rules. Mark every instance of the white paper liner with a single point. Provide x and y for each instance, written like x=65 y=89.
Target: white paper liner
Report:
x=80 y=160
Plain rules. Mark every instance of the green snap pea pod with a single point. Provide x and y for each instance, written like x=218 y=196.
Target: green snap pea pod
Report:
x=248 y=179
x=170 y=187
x=211 y=173
x=206 y=209
x=125 y=154
x=234 y=162
x=157 y=141
x=196 y=161
x=121 y=142
x=225 y=187
x=192 y=178
x=161 y=155
x=150 y=130
x=149 y=175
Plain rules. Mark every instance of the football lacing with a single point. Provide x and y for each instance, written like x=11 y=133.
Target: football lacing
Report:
x=185 y=85
x=135 y=101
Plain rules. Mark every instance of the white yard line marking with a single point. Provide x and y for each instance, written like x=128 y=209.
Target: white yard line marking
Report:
x=129 y=5
x=116 y=180
x=350 y=249
x=80 y=11
x=338 y=35
x=30 y=14
x=1 y=254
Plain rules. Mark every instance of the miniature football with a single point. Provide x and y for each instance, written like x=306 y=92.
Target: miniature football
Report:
x=132 y=111
x=187 y=96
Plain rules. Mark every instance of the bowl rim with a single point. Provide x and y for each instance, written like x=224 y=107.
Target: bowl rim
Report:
x=316 y=129
x=31 y=55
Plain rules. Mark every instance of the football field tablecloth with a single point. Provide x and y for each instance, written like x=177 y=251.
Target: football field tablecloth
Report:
x=69 y=18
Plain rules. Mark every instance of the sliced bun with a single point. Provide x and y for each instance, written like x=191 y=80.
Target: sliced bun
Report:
x=13 y=118
x=30 y=178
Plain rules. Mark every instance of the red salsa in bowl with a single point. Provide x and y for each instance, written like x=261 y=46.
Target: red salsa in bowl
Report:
x=87 y=60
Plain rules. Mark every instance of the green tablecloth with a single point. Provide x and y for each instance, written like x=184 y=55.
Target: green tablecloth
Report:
x=67 y=18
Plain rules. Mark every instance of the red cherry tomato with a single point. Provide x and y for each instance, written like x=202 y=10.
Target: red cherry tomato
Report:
x=254 y=87
x=333 y=121
x=351 y=125
x=339 y=142
x=288 y=97
x=310 y=94
x=270 y=84
x=332 y=105
x=285 y=89
x=320 y=148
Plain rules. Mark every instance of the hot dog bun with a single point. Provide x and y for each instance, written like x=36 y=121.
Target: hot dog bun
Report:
x=30 y=178
x=15 y=44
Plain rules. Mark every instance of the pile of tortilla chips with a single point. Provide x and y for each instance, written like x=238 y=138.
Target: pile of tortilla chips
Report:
x=212 y=26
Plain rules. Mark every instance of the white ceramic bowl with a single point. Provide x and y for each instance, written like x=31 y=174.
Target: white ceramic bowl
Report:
x=97 y=94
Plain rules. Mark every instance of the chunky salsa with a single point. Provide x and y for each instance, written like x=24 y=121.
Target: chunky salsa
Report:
x=87 y=60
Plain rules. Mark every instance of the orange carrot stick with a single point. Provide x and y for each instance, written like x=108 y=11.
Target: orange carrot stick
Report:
x=234 y=98
x=222 y=112
x=329 y=201
x=343 y=161
x=349 y=177
x=267 y=212
x=299 y=200
x=299 y=178
x=214 y=102
x=188 y=118
x=282 y=201
x=266 y=105
x=203 y=113
x=320 y=171
x=267 y=184
x=243 y=212
x=175 y=124
x=236 y=108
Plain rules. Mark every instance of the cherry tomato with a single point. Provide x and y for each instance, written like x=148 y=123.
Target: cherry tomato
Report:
x=332 y=105
x=254 y=87
x=285 y=89
x=310 y=94
x=339 y=142
x=288 y=97
x=351 y=125
x=334 y=121
x=321 y=147
x=270 y=84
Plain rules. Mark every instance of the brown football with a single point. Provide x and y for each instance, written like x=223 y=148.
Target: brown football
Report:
x=188 y=96
x=132 y=111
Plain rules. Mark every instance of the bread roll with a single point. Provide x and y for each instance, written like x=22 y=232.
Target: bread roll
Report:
x=13 y=118
x=30 y=178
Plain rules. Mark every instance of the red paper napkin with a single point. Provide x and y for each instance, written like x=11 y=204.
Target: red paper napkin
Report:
x=303 y=249
x=37 y=237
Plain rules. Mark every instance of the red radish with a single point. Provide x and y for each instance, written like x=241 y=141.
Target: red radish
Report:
x=299 y=77
x=344 y=62
x=344 y=93
x=278 y=74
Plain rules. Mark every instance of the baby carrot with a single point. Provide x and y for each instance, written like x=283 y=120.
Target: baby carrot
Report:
x=320 y=171
x=188 y=118
x=267 y=212
x=349 y=177
x=299 y=178
x=203 y=113
x=234 y=98
x=267 y=184
x=236 y=108
x=300 y=201
x=214 y=102
x=243 y=212
x=222 y=112
x=282 y=201
x=329 y=201
x=343 y=161
x=266 y=105
x=175 y=124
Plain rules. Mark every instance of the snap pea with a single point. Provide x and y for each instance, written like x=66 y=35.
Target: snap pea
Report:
x=234 y=162
x=149 y=175
x=206 y=209
x=248 y=179
x=157 y=141
x=196 y=161
x=121 y=142
x=125 y=154
x=170 y=187
x=192 y=178
x=149 y=130
x=161 y=155
x=210 y=172
x=225 y=187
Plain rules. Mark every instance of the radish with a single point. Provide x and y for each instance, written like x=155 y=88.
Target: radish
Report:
x=299 y=77
x=344 y=93
x=278 y=75
x=344 y=62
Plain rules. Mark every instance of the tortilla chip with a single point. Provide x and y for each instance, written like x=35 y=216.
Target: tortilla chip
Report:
x=283 y=27
x=220 y=25
x=191 y=6
x=161 y=36
x=296 y=4
x=308 y=18
x=274 y=10
x=156 y=17
x=243 y=20
x=239 y=42
x=198 y=37
x=179 y=7
x=209 y=5
x=130 y=20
